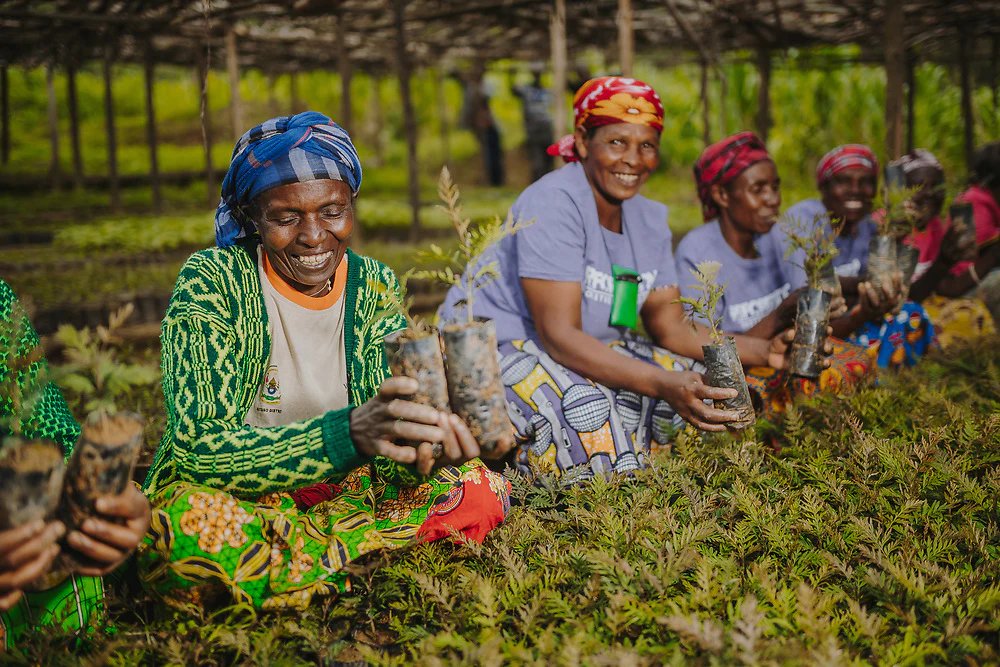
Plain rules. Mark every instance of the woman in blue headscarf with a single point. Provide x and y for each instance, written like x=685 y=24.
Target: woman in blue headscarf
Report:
x=284 y=456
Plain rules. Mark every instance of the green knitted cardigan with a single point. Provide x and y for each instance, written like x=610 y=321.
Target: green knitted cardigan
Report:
x=216 y=347
x=49 y=417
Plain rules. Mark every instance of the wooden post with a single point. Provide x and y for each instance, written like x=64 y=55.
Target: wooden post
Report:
x=154 y=166
x=4 y=116
x=74 y=125
x=409 y=119
x=442 y=103
x=557 y=38
x=706 y=111
x=53 y=115
x=378 y=120
x=969 y=120
x=911 y=101
x=720 y=72
x=344 y=69
x=895 y=73
x=994 y=83
x=293 y=91
x=626 y=37
x=205 y=115
x=764 y=92
x=109 y=125
x=233 y=69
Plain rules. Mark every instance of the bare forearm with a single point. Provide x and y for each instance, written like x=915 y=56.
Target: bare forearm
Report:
x=594 y=360
x=687 y=340
x=925 y=285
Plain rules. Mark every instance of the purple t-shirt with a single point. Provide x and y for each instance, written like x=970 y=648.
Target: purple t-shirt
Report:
x=754 y=287
x=566 y=243
x=852 y=249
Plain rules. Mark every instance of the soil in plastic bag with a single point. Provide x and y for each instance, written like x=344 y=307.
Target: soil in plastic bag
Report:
x=881 y=261
x=810 y=331
x=474 y=386
x=419 y=357
x=31 y=477
x=723 y=369
x=102 y=464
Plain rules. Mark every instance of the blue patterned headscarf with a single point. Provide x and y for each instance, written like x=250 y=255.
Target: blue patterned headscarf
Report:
x=288 y=149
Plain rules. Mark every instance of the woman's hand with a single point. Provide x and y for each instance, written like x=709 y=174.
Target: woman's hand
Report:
x=956 y=246
x=686 y=392
x=838 y=307
x=873 y=303
x=377 y=425
x=781 y=347
x=26 y=553
x=107 y=541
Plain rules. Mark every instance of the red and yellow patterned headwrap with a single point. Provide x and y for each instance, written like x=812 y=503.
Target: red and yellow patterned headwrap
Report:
x=848 y=156
x=607 y=100
x=722 y=163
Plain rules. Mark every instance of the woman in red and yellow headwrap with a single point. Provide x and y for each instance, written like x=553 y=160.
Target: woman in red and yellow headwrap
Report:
x=586 y=394
x=740 y=193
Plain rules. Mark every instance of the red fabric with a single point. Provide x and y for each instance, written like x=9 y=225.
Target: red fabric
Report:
x=607 y=100
x=722 y=163
x=314 y=494
x=471 y=510
x=928 y=242
x=844 y=157
x=986 y=213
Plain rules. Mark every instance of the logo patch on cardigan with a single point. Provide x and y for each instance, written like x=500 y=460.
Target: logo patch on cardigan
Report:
x=270 y=390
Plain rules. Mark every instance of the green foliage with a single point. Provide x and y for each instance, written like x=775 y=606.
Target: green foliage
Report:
x=465 y=265
x=863 y=530
x=899 y=217
x=138 y=234
x=817 y=241
x=94 y=373
x=394 y=303
x=705 y=305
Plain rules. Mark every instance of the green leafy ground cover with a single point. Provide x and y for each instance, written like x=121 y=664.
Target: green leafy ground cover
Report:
x=861 y=530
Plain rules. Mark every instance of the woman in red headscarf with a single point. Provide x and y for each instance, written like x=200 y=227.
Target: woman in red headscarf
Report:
x=896 y=333
x=586 y=394
x=740 y=193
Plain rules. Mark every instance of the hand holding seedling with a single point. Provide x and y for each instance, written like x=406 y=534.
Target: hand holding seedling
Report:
x=957 y=246
x=107 y=540
x=26 y=553
x=687 y=391
x=377 y=425
x=781 y=347
x=874 y=302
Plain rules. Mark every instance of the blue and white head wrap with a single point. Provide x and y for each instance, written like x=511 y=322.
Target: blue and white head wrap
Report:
x=288 y=149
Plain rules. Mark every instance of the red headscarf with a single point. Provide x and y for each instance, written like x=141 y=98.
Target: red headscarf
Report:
x=848 y=156
x=722 y=163
x=607 y=100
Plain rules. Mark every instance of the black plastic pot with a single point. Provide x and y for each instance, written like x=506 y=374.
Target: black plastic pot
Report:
x=723 y=369
x=31 y=477
x=474 y=387
x=810 y=331
x=881 y=260
x=102 y=464
x=419 y=357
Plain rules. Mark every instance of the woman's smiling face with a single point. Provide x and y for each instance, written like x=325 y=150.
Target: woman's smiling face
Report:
x=304 y=228
x=619 y=158
x=849 y=193
x=752 y=201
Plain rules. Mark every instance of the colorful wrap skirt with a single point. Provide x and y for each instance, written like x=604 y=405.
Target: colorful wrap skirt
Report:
x=573 y=426
x=897 y=340
x=850 y=367
x=208 y=547
x=73 y=603
x=958 y=319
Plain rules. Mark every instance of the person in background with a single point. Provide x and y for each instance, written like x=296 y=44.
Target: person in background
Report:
x=73 y=600
x=945 y=254
x=536 y=104
x=478 y=117
x=895 y=333
x=740 y=193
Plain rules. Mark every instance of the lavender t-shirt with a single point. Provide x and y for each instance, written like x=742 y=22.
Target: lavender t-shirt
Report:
x=566 y=243
x=852 y=249
x=754 y=287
